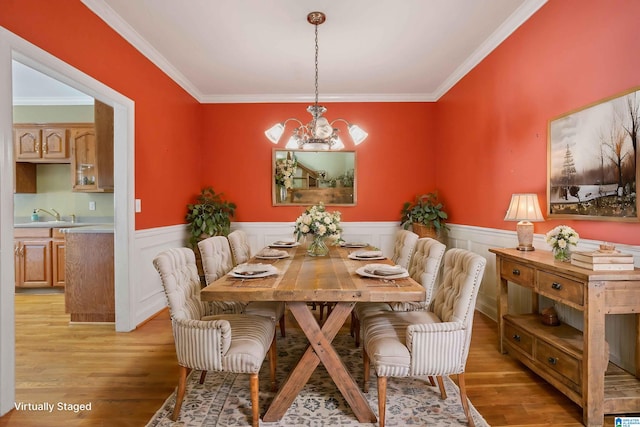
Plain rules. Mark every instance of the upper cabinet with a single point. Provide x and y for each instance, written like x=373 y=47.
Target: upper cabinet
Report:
x=87 y=147
x=40 y=143
x=92 y=158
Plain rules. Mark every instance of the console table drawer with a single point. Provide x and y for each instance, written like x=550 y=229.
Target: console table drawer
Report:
x=518 y=338
x=560 y=288
x=559 y=361
x=517 y=273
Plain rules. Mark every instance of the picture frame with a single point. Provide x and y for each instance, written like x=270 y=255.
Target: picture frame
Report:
x=592 y=152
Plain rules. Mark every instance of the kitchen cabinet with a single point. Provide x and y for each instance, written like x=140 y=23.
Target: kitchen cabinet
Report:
x=41 y=143
x=39 y=257
x=32 y=249
x=89 y=291
x=576 y=362
x=92 y=153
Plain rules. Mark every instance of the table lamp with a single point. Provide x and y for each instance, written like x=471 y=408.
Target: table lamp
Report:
x=524 y=208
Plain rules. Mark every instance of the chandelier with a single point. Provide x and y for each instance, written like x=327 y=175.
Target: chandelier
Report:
x=319 y=133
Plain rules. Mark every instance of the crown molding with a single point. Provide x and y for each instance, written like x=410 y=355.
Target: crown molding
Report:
x=53 y=101
x=517 y=18
x=112 y=19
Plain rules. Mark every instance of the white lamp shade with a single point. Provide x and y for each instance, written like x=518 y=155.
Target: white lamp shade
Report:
x=275 y=132
x=524 y=207
x=357 y=134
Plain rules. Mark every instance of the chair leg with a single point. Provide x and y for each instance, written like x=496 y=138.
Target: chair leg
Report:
x=431 y=381
x=182 y=385
x=382 y=399
x=282 y=331
x=465 y=401
x=443 y=392
x=356 y=330
x=365 y=368
x=352 y=324
x=255 y=400
x=273 y=355
x=203 y=375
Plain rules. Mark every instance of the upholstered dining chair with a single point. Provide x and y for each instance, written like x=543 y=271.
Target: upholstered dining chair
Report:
x=424 y=268
x=216 y=262
x=235 y=343
x=240 y=247
x=432 y=342
x=403 y=247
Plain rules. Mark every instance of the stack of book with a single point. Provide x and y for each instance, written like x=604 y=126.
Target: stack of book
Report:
x=602 y=260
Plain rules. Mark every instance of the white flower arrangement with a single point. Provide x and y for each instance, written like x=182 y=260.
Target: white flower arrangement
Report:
x=317 y=221
x=561 y=237
x=285 y=170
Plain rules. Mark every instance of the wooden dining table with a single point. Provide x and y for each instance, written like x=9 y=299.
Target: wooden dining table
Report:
x=304 y=279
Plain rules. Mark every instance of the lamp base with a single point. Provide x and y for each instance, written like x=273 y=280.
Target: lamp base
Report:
x=524 y=230
x=525 y=248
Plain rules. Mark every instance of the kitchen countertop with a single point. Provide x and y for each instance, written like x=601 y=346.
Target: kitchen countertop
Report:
x=93 y=228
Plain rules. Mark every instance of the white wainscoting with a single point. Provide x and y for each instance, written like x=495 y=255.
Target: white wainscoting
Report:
x=620 y=329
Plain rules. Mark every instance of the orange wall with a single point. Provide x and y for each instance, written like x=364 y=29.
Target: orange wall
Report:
x=167 y=119
x=492 y=126
x=393 y=164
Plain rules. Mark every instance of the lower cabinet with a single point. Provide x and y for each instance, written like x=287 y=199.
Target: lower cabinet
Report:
x=38 y=256
x=89 y=291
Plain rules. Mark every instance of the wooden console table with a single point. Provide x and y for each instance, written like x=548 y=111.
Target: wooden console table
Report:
x=573 y=361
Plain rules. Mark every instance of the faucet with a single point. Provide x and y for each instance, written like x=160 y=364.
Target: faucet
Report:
x=56 y=215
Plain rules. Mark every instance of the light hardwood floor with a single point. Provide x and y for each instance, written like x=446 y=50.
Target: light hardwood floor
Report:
x=127 y=376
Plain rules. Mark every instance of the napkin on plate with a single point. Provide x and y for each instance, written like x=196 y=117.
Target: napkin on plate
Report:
x=368 y=254
x=272 y=253
x=254 y=269
x=284 y=243
x=384 y=269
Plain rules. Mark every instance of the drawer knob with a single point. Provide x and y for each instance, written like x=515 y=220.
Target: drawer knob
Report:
x=552 y=360
x=557 y=286
x=516 y=272
x=516 y=337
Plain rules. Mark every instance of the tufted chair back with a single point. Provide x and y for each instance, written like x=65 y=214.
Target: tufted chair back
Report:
x=424 y=268
x=217 y=261
x=455 y=299
x=179 y=275
x=403 y=247
x=240 y=247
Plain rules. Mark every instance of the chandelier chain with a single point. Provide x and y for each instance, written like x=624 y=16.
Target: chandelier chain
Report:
x=316 y=64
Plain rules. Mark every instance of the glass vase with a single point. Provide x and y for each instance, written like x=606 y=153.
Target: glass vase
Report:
x=282 y=193
x=318 y=247
x=562 y=254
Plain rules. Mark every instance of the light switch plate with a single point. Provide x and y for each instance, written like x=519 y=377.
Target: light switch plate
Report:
x=138 y=205
x=92 y=205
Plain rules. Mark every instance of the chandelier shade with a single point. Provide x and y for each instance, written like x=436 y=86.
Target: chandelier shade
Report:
x=319 y=133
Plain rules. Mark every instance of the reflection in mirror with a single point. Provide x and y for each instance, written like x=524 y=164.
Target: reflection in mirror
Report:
x=303 y=177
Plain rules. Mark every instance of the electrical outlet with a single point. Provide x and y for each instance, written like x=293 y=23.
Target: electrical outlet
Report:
x=92 y=205
x=138 y=205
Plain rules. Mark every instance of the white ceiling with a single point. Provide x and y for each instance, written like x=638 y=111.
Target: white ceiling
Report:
x=263 y=51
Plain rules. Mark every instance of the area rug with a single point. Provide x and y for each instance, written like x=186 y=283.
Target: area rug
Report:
x=224 y=400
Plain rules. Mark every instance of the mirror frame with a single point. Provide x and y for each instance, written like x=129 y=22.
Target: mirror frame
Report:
x=330 y=196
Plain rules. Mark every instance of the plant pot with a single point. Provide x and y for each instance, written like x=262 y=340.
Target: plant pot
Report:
x=423 y=230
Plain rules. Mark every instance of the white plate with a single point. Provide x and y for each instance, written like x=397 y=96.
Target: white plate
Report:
x=272 y=257
x=252 y=271
x=354 y=244
x=284 y=245
x=354 y=255
x=361 y=271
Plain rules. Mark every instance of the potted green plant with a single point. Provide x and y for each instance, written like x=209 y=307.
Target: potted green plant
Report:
x=425 y=215
x=210 y=215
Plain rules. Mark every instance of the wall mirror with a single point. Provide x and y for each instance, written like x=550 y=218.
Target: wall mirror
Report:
x=302 y=177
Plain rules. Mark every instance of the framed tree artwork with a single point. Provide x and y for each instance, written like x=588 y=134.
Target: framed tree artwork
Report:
x=593 y=161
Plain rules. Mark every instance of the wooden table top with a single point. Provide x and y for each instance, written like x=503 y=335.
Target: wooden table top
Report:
x=331 y=278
